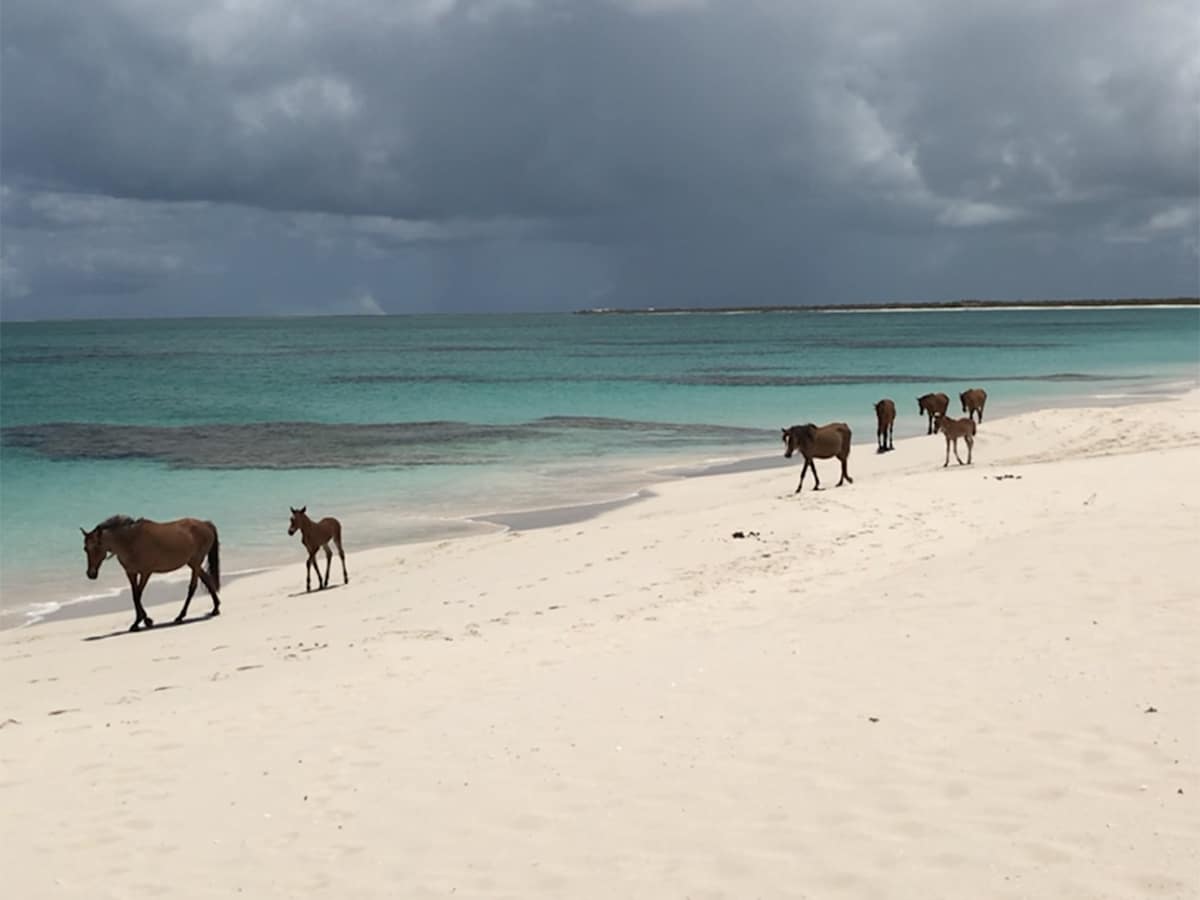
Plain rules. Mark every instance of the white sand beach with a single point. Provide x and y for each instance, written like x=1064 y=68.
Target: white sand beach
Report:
x=975 y=682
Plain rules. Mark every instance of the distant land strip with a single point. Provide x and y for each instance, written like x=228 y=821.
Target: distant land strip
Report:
x=895 y=307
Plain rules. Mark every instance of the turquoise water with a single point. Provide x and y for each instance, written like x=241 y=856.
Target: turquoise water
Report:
x=403 y=426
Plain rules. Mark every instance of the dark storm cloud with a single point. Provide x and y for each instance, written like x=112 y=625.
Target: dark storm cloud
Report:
x=549 y=154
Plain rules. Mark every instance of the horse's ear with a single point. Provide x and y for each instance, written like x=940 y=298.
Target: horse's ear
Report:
x=83 y=531
x=302 y=510
x=784 y=430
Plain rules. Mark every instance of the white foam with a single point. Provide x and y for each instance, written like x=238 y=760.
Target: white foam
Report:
x=38 y=611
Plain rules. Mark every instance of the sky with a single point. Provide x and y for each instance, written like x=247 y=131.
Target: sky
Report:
x=175 y=158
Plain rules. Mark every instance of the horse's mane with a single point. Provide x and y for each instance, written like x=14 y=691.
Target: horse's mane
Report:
x=115 y=522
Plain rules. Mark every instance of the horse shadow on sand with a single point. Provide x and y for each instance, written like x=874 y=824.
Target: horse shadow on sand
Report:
x=157 y=627
x=320 y=590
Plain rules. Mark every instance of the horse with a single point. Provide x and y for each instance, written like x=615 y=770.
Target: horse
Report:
x=885 y=419
x=954 y=429
x=144 y=547
x=973 y=401
x=818 y=443
x=932 y=405
x=315 y=536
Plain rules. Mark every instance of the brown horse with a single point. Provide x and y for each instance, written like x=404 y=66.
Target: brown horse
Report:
x=932 y=405
x=144 y=547
x=818 y=443
x=315 y=536
x=885 y=422
x=954 y=429
x=973 y=401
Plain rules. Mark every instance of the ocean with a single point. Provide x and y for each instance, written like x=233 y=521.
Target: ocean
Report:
x=418 y=427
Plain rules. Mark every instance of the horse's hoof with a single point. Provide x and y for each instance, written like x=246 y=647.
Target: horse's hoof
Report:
x=149 y=622
x=216 y=611
x=177 y=619
x=134 y=626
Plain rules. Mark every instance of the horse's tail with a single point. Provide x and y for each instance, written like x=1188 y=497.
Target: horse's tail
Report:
x=972 y=421
x=846 y=439
x=214 y=558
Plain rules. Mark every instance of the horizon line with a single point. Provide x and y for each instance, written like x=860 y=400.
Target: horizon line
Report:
x=881 y=306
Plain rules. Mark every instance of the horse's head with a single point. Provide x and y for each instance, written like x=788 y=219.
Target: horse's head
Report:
x=297 y=518
x=93 y=548
x=792 y=438
x=963 y=399
x=937 y=422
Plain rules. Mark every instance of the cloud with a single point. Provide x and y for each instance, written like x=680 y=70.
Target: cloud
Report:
x=971 y=214
x=13 y=284
x=529 y=151
x=366 y=305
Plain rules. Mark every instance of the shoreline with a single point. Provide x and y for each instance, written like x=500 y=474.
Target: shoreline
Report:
x=655 y=475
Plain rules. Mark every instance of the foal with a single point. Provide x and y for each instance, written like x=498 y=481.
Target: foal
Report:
x=954 y=429
x=315 y=536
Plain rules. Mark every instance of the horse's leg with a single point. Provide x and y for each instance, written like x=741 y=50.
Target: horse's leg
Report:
x=209 y=586
x=191 y=590
x=956 y=456
x=930 y=431
x=308 y=564
x=138 y=612
x=947 y=462
x=137 y=601
x=892 y=437
x=845 y=470
x=342 y=555
x=803 y=472
x=970 y=448
x=816 y=477
x=328 y=563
